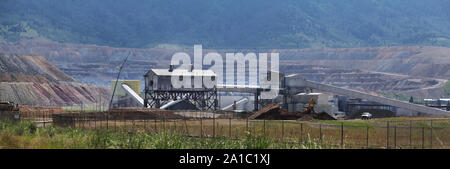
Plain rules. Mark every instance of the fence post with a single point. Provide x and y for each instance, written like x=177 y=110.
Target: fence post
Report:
x=101 y=124
x=201 y=127
x=156 y=127
x=264 y=127
x=320 y=133
x=254 y=127
x=74 y=120
x=185 y=124
x=214 y=126
x=282 y=130
x=95 y=122
x=145 y=124
x=246 y=124
x=367 y=138
x=175 y=124
x=342 y=134
x=107 y=122
x=164 y=124
x=423 y=137
x=301 y=133
x=410 y=133
x=125 y=125
x=83 y=121
x=431 y=133
x=229 y=128
x=132 y=124
x=43 y=117
x=387 y=135
x=395 y=136
x=88 y=122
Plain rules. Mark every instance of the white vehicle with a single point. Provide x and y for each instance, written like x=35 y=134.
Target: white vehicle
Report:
x=366 y=116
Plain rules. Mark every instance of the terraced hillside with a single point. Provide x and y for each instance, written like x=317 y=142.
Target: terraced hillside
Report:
x=422 y=61
x=32 y=80
x=28 y=67
x=414 y=71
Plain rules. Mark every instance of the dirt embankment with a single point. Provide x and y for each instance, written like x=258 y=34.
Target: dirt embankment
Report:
x=45 y=94
x=21 y=67
x=32 y=80
x=141 y=113
x=116 y=114
x=37 y=111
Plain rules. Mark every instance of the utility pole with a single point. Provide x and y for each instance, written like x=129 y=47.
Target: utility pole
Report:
x=117 y=80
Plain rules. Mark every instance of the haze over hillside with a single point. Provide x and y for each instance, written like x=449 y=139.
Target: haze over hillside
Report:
x=231 y=23
x=414 y=71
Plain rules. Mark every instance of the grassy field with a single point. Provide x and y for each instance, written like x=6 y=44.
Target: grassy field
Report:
x=28 y=135
x=399 y=121
x=401 y=133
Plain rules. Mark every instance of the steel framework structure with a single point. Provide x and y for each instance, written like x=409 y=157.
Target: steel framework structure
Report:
x=205 y=99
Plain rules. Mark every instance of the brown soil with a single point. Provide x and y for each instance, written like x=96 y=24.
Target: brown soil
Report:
x=141 y=113
x=32 y=80
x=114 y=114
x=21 y=67
x=28 y=109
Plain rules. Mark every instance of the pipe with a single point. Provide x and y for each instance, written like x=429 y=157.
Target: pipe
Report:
x=133 y=94
x=173 y=102
x=244 y=100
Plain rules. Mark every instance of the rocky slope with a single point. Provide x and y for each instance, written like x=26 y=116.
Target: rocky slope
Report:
x=25 y=67
x=380 y=69
x=431 y=62
x=381 y=83
x=92 y=64
x=32 y=80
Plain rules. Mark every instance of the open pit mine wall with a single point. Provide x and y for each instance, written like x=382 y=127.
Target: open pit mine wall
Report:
x=31 y=65
x=54 y=94
x=297 y=81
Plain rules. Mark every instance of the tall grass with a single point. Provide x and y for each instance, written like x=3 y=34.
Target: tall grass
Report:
x=28 y=135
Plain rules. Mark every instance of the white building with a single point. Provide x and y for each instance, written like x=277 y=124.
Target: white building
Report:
x=161 y=79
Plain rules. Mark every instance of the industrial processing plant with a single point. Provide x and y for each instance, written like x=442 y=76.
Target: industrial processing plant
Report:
x=295 y=93
x=225 y=74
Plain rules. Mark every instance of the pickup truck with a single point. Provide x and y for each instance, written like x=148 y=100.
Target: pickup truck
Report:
x=366 y=116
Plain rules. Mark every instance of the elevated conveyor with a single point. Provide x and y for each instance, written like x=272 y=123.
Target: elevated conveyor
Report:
x=230 y=107
x=133 y=94
x=296 y=81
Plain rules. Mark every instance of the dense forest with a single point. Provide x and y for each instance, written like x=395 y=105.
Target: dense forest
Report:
x=229 y=23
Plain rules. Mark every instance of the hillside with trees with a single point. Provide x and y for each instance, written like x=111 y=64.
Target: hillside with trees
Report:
x=229 y=24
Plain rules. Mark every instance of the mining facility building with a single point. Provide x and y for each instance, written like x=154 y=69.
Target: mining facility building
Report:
x=159 y=91
x=293 y=94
